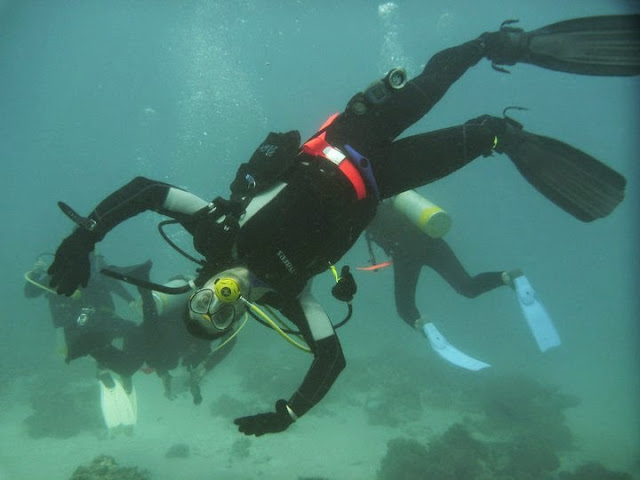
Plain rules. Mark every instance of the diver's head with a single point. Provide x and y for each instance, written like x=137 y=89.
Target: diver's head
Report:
x=215 y=308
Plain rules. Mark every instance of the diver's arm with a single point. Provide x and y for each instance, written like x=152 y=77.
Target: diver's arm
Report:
x=328 y=359
x=328 y=362
x=140 y=195
x=70 y=268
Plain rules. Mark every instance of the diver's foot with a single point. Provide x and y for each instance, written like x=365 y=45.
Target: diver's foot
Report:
x=508 y=277
x=506 y=46
x=195 y=393
x=127 y=384
x=106 y=378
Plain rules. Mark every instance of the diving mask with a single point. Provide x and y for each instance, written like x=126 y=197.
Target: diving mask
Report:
x=216 y=306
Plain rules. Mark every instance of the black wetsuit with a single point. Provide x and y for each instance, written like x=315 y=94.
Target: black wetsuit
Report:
x=91 y=324
x=411 y=249
x=317 y=216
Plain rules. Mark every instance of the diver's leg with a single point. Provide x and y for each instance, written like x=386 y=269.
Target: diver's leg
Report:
x=443 y=260
x=406 y=272
x=370 y=121
x=123 y=363
x=421 y=159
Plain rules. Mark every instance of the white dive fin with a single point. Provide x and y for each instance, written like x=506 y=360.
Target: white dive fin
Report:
x=448 y=351
x=537 y=317
x=133 y=400
x=118 y=408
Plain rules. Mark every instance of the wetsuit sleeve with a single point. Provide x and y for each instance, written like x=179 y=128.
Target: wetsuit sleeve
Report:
x=328 y=359
x=142 y=194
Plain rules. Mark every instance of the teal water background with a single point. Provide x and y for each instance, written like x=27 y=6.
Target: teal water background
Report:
x=95 y=93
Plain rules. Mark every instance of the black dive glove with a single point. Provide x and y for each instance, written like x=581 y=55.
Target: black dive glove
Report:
x=346 y=287
x=266 y=422
x=71 y=267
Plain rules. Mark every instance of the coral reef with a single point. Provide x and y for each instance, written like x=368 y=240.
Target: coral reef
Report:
x=524 y=458
x=405 y=460
x=240 y=449
x=105 y=467
x=63 y=409
x=526 y=410
x=456 y=455
x=593 y=471
x=178 y=450
x=522 y=424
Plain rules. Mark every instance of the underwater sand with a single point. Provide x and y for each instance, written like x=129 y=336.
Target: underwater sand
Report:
x=335 y=441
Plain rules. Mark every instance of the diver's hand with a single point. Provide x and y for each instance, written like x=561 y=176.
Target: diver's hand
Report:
x=346 y=287
x=71 y=267
x=266 y=422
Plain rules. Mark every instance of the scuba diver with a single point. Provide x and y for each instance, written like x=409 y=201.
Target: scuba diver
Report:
x=409 y=229
x=295 y=210
x=88 y=316
x=167 y=344
x=91 y=326
x=160 y=343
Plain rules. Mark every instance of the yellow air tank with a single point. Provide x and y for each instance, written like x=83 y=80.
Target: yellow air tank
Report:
x=427 y=216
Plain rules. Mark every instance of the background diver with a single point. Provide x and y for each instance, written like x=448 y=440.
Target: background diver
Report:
x=88 y=317
x=413 y=246
x=162 y=345
x=91 y=327
x=296 y=210
x=168 y=344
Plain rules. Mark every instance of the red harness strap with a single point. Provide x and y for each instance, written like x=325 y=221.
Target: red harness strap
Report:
x=319 y=147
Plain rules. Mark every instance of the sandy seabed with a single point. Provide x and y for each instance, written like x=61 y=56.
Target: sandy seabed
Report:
x=340 y=439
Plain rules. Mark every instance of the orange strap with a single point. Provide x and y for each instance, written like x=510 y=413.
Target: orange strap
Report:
x=319 y=147
x=376 y=267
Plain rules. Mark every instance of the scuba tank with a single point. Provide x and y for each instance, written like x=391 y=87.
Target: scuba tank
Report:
x=427 y=216
x=171 y=303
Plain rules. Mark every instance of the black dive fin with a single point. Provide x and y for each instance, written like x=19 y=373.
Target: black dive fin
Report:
x=576 y=182
x=604 y=45
x=607 y=45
